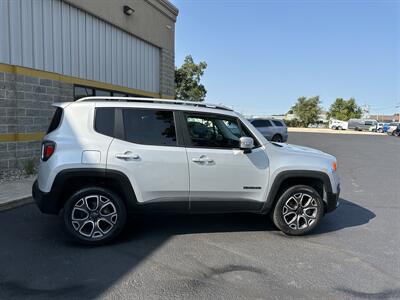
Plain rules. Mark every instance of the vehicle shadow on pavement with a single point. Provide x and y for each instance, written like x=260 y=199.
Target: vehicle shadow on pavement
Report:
x=348 y=214
x=38 y=260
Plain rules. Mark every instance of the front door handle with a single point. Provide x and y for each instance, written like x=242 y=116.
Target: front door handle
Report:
x=128 y=155
x=203 y=159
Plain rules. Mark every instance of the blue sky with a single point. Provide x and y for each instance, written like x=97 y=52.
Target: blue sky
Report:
x=263 y=55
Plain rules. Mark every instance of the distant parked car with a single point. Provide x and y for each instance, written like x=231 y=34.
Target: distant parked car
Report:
x=386 y=127
x=338 y=125
x=392 y=127
x=378 y=127
x=396 y=131
x=272 y=129
x=361 y=124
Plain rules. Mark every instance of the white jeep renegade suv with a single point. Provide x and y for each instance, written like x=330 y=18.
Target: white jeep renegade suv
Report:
x=104 y=157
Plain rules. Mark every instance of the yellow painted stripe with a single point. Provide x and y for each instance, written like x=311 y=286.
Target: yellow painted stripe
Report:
x=74 y=80
x=168 y=97
x=21 y=137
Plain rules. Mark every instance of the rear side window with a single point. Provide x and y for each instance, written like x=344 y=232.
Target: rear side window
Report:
x=277 y=123
x=56 y=120
x=261 y=123
x=149 y=127
x=105 y=120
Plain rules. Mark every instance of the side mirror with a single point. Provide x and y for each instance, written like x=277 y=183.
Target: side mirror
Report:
x=246 y=144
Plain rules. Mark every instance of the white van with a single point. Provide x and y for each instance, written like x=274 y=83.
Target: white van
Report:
x=338 y=125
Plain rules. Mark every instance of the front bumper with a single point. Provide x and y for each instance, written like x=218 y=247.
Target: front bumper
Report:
x=44 y=200
x=332 y=200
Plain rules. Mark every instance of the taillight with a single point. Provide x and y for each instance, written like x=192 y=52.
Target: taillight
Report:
x=48 y=149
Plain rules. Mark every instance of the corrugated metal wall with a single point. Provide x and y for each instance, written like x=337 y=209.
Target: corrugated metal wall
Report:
x=53 y=36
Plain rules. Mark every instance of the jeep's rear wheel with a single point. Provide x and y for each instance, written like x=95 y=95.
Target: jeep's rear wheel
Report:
x=298 y=211
x=94 y=215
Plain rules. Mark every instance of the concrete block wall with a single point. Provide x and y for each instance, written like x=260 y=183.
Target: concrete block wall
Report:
x=26 y=111
x=167 y=73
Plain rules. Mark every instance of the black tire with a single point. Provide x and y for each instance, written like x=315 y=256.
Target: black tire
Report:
x=380 y=130
x=277 y=138
x=109 y=215
x=340 y=128
x=334 y=128
x=302 y=224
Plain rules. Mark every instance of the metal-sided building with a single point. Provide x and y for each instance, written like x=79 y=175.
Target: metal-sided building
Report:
x=61 y=50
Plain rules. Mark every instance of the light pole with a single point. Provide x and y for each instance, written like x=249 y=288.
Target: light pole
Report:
x=398 y=106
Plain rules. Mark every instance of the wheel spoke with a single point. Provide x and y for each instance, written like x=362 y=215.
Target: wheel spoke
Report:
x=87 y=228
x=290 y=218
x=292 y=203
x=97 y=232
x=305 y=200
x=107 y=209
x=104 y=225
x=310 y=212
x=301 y=222
x=92 y=202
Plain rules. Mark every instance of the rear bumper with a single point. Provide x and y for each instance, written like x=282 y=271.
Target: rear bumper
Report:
x=44 y=200
x=332 y=200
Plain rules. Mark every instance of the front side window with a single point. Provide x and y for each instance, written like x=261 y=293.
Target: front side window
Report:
x=214 y=131
x=149 y=127
x=277 y=123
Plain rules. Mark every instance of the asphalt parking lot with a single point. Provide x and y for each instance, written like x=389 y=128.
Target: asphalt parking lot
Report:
x=353 y=254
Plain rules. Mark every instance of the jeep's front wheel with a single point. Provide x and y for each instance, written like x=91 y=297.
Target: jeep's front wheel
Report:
x=298 y=210
x=94 y=215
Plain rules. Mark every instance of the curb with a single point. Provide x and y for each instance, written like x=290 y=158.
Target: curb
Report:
x=331 y=131
x=16 y=203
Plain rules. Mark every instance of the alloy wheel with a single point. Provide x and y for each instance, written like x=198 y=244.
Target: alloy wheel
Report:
x=300 y=211
x=94 y=216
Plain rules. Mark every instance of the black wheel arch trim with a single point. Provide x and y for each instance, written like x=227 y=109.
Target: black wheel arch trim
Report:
x=52 y=202
x=308 y=174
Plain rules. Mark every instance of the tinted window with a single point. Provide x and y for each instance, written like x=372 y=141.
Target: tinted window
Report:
x=104 y=121
x=277 y=123
x=214 y=132
x=80 y=92
x=261 y=123
x=368 y=123
x=102 y=93
x=149 y=127
x=116 y=94
x=268 y=123
x=55 y=121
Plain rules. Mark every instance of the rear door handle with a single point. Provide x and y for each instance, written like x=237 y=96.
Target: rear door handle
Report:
x=202 y=159
x=128 y=155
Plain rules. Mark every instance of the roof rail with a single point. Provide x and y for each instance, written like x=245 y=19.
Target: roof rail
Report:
x=154 y=100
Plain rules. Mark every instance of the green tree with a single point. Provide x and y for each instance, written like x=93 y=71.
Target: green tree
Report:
x=187 y=80
x=344 y=109
x=307 y=110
